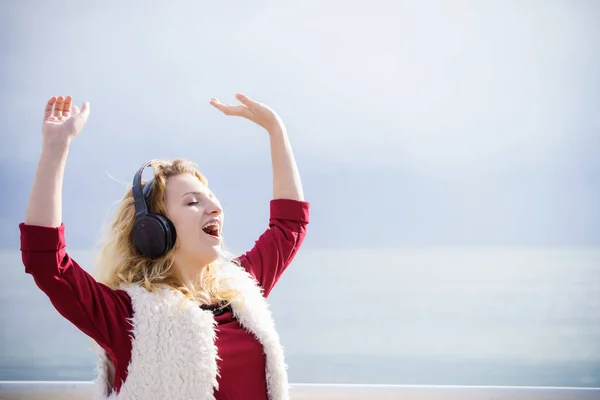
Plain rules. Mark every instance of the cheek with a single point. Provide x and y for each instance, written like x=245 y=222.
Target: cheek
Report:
x=187 y=225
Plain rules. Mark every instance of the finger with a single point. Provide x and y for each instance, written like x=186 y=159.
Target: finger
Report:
x=67 y=107
x=247 y=101
x=227 y=109
x=49 y=105
x=237 y=111
x=217 y=104
x=58 y=106
x=85 y=110
x=220 y=106
x=74 y=110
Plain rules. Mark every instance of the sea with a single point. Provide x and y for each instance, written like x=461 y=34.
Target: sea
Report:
x=509 y=316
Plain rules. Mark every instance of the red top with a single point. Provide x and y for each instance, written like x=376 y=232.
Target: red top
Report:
x=101 y=312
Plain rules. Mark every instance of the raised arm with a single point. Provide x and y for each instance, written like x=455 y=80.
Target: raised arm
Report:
x=289 y=213
x=60 y=125
x=286 y=179
x=95 y=309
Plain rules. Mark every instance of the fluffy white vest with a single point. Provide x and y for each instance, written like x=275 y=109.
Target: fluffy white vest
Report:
x=173 y=348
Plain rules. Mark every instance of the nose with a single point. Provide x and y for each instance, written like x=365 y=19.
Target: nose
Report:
x=214 y=208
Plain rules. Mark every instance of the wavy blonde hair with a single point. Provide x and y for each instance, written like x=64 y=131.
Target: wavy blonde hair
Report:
x=118 y=262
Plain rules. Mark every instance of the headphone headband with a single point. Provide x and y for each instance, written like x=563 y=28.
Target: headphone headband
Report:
x=141 y=195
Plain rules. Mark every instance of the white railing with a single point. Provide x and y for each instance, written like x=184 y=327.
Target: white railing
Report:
x=10 y=390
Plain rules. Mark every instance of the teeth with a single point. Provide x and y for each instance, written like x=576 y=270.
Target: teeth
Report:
x=212 y=228
x=211 y=224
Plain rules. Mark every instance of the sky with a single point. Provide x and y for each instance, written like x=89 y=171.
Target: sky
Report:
x=427 y=123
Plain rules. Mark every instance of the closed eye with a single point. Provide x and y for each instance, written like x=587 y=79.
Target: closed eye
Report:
x=193 y=203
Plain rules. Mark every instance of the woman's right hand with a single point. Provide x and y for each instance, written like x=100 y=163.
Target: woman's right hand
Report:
x=63 y=122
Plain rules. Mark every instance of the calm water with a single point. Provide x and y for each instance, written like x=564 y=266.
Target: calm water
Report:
x=466 y=316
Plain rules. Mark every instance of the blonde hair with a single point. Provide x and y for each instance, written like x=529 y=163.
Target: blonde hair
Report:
x=119 y=263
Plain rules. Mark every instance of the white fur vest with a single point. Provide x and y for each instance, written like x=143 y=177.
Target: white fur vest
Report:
x=173 y=352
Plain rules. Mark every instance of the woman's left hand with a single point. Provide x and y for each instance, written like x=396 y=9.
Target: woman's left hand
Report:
x=256 y=112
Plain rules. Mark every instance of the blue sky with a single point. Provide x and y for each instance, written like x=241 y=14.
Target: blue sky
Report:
x=413 y=123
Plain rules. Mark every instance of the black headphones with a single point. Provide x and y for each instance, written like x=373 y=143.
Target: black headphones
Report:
x=153 y=234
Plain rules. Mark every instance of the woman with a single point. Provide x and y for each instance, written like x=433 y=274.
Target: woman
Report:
x=173 y=316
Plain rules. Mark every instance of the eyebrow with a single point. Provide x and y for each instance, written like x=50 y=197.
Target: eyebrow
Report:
x=195 y=192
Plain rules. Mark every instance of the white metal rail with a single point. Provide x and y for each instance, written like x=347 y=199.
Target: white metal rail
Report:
x=11 y=390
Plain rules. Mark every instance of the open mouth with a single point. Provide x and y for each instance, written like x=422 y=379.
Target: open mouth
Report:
x=212 y=228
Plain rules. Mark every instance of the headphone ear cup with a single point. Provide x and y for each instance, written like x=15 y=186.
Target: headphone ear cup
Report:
x=169 y=229
x=153 y=235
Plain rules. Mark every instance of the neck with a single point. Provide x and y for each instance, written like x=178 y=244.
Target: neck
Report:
x=189 y=272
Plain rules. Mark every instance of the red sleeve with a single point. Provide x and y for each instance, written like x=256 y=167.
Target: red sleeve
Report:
x=277 y=246
x=97 y=310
